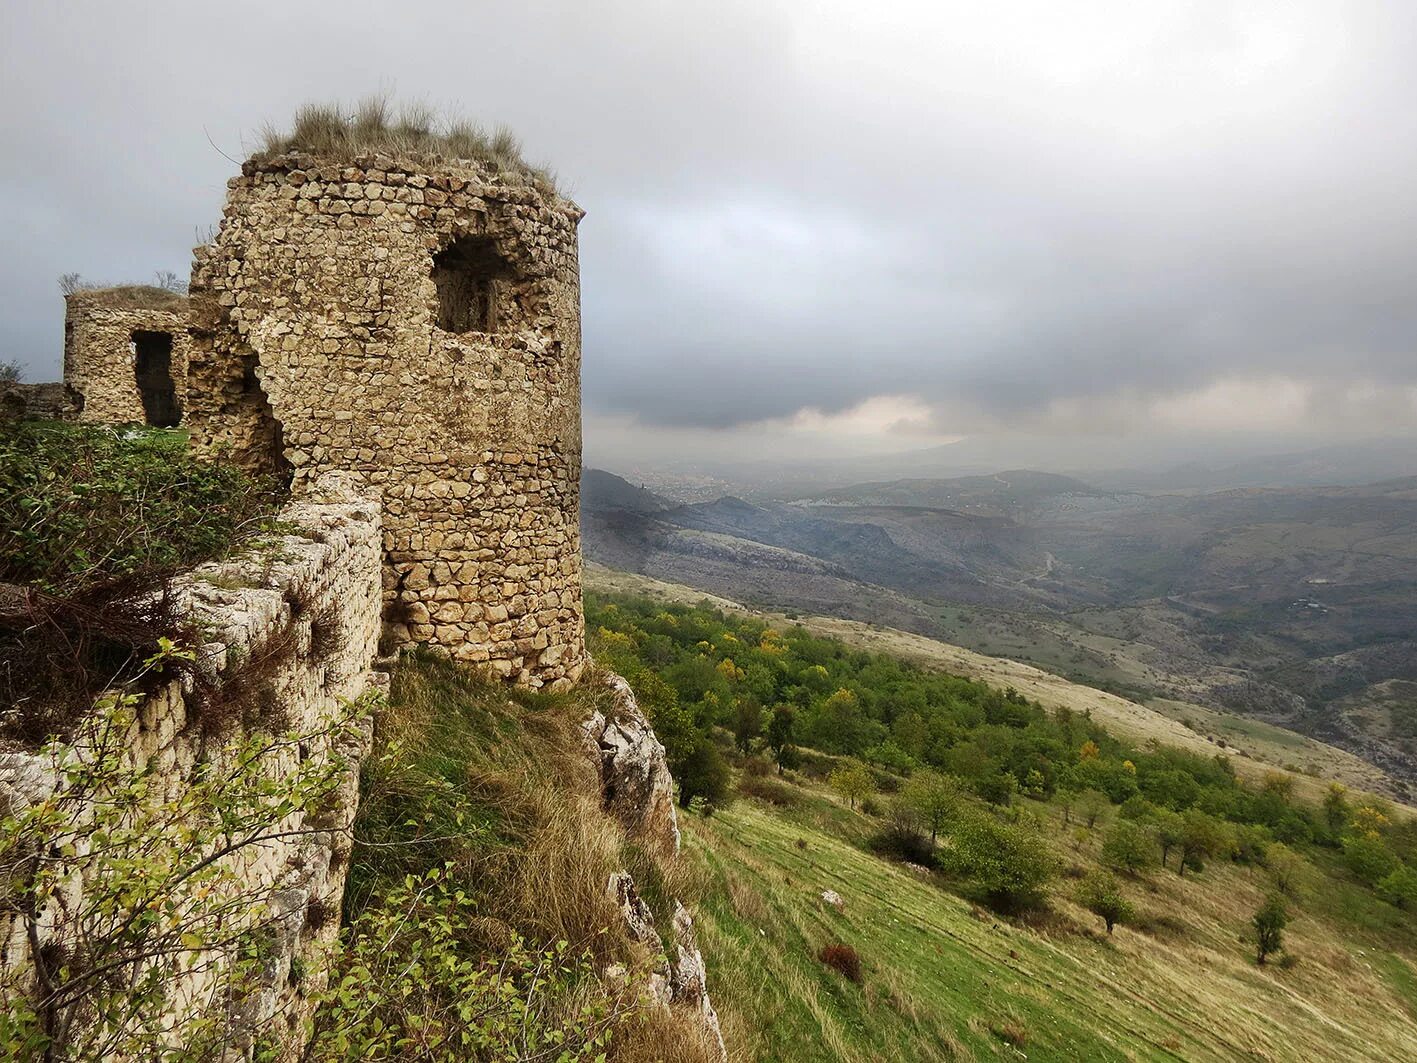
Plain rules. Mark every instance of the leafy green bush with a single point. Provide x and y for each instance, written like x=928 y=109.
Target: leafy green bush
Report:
x=1368 y=858
x=1007 y=864
x=1101 y=894
x=1269 y=923
x=83 y=503
x=407 y=983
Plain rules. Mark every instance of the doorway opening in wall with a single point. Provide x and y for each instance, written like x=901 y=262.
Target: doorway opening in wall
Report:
x=467 y=273
x=152 y=366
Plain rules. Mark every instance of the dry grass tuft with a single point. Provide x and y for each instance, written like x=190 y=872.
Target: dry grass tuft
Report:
x=842 y=959
x=132 y=296
x=412 y=129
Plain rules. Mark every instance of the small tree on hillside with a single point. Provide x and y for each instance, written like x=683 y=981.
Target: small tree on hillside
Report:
x=780 y=736
x=1101 y=894
x=1169 y=831
x=852 y=781
x=1283 y=865
x=935 y=796
x=1336 y=811
x=1129 y=847
x=1269 y=923
x=1091 y=804
x=704 y=773
x=747 y=722
x=10 y=372
x=1201 y=836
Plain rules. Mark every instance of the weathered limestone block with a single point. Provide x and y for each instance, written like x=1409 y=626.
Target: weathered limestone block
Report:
x=317 y=592
x=635 y=783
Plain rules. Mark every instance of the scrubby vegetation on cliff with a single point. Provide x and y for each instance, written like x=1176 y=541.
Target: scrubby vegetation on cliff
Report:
x=94 y=522
x=1049 y=863
x=478 y=921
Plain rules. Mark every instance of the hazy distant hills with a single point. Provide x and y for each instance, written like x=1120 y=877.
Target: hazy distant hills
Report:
x=1002 y=494
x=1295 y=604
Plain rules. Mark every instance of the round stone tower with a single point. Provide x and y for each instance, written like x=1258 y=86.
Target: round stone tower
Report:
x=416 y=322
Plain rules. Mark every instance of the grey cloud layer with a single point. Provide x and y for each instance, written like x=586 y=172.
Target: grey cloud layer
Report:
x=804 y=204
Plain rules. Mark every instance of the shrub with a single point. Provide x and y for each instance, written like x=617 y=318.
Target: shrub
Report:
x=1368 y=858
x=1269 y=923
x=1400 y=888
x=843 y=959
x=1008 y=865
x=766 y=788
x=704 y=774
x=1129 y=847
x=902 y=836
x=1101 y=894
x=519 y=1004
x=81 y=504
x=998 y=788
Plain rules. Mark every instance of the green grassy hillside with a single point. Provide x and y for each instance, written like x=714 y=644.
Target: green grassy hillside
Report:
x=945 y=979
x=811 y=764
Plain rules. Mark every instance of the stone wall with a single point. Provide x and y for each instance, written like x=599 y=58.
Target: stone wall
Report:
x=114 y=353
x=416 y=323
x=315 y=592
x=48 y=402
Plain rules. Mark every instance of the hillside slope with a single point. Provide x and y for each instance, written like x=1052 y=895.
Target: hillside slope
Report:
x=944 y=980
x=1255 y=748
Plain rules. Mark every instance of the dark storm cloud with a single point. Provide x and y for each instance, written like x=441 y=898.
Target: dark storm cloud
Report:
x=999 y=210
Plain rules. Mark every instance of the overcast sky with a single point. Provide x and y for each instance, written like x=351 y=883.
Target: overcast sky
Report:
x=818 y=226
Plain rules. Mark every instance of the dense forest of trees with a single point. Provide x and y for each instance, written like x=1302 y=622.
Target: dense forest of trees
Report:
x=712 y=682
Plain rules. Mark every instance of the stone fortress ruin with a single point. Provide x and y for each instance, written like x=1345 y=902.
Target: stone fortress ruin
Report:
x=408 y=318
x=125 y=354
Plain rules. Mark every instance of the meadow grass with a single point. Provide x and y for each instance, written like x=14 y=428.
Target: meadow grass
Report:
x=945 y=980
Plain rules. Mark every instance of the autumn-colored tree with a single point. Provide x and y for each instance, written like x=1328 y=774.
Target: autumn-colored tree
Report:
x=1089 y=751
x=852 y=781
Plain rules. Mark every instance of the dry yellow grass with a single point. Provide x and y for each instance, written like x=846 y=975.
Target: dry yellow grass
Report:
x=376 y=126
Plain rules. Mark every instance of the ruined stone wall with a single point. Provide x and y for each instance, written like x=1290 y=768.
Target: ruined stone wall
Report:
x=315 y=592
x=47 y=402
x=101 y=363
x=333 y=330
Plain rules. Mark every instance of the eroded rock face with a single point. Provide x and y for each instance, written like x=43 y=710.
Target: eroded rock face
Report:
x=688 y=982
x=678 y=979
x=638 y=790
x=635 y=782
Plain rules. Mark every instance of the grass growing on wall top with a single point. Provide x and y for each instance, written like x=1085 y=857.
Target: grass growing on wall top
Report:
x=376 y=125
